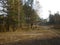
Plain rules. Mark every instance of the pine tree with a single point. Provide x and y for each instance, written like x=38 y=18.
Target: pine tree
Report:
x=15 y=13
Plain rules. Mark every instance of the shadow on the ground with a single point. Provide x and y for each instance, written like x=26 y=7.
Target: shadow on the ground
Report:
x=54 y=41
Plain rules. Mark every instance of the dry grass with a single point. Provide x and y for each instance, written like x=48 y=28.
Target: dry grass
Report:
x=25 y=34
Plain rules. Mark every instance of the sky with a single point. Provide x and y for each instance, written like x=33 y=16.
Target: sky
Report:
x=48 y=5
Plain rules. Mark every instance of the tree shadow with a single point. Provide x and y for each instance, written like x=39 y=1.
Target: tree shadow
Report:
x=53 y=41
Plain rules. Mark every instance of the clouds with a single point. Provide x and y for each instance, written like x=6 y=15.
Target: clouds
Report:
x=47 y=5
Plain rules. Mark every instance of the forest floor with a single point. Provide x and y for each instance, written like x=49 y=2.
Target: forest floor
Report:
x=22 y=35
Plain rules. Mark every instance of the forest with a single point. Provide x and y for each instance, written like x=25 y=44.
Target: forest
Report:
x=20 y=24
x=17 y=14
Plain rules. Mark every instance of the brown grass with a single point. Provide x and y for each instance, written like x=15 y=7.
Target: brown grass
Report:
x=25 y=34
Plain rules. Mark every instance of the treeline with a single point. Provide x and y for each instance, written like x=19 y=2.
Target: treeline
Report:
x=55 y=20
x=17 y=14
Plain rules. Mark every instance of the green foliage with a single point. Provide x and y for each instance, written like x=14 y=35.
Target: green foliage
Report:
x=19 y=14
x=31 y=15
